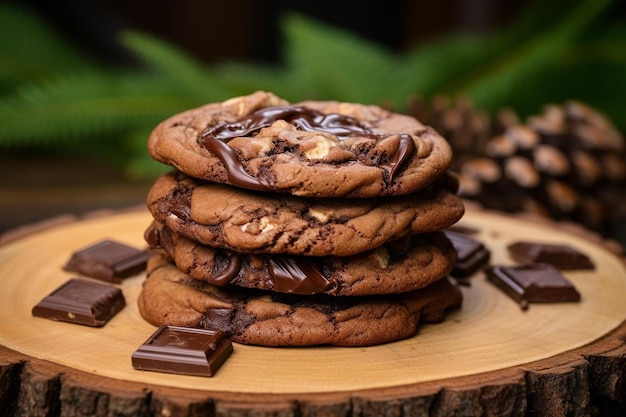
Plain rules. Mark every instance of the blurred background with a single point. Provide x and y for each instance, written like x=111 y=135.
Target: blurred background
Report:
x=83 y=83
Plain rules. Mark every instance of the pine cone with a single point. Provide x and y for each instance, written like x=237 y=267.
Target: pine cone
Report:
x=466 y=128
x=569 y=163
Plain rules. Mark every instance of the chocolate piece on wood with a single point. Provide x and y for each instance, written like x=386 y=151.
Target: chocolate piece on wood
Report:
x=533 y=283
x=471 y=254
x=182 y=350
x=563 y=257
x=81 y=301
x=108 y=260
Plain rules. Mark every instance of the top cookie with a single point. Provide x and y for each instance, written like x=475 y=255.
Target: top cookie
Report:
x=313 y=148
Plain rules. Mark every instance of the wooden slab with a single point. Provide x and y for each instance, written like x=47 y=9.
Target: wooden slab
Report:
x=490 y=350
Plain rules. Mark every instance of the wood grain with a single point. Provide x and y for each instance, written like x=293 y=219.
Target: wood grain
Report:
x=490 y=357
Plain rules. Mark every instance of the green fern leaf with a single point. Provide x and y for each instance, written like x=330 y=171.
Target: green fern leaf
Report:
x=426 y=69
x=84 y=108
x=195 y=80
x=30 y=50
x=244 y=79
x=491 y=85
x=328 y=63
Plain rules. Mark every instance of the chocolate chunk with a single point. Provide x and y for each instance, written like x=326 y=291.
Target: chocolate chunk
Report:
x=471 y=254
x=181 y=350
x=81 y=301
x=108 y=260
x=562 y=257
x=533 y=283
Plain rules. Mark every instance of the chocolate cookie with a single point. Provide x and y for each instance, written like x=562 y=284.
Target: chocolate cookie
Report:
x=273 y=319
x=314 y=148
x=400 y=266
x=227 y=217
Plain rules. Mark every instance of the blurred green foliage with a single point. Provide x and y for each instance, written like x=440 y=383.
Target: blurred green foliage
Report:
x=56 y=96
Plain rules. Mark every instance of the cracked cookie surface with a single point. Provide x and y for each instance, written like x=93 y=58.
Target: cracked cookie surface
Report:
x=227 y=217
x=271 y=319
x=400 y=266
x=312 y=148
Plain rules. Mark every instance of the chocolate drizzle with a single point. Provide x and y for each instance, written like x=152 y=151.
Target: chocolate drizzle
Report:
x=237 y=175
x=216 y=137
x=303 y=118
x=405 y=150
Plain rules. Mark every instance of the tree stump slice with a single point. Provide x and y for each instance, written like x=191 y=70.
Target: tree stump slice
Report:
x=490 y=358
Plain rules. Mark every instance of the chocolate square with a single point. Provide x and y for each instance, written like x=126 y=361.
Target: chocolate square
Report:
x=563 y=257
x=182 y=350
x=108 y=260
x=533 y=283
x=472 y=255
x=81 y=301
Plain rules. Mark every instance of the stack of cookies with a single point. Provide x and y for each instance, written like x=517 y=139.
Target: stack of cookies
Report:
x=307 y=224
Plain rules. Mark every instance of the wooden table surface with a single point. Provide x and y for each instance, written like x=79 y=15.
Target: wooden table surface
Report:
x=559 y=359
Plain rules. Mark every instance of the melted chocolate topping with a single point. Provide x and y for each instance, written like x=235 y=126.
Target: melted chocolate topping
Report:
x=404 y=152
x=303 y=118
x=215 y=138
x=237 y=175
